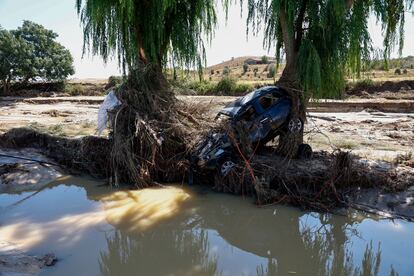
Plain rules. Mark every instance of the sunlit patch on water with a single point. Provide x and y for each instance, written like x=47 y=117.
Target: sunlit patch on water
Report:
x=96 y=230
x=65 y=230
x=141 y=209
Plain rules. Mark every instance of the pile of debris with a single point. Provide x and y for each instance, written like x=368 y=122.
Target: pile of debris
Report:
x=156 y=138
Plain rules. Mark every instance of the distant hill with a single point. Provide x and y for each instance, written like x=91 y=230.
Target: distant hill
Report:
x=239 y=61
x=402 y=63
x=257 y=70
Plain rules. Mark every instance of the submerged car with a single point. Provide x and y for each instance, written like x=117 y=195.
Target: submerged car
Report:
x=263 y=114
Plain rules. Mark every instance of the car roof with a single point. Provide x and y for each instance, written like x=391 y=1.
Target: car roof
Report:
x=234 y=107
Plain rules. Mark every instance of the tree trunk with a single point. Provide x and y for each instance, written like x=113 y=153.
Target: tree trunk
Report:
x=289 y=141
x=4 y=87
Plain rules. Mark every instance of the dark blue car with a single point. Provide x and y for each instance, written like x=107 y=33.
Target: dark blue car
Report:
x=263 y=114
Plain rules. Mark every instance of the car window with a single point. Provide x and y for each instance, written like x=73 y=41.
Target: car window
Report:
x=248 y=114
x=267 y=101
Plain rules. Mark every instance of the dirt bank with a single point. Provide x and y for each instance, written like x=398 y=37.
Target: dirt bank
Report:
x=28 y=174
x=403 y=89
x=324 y=182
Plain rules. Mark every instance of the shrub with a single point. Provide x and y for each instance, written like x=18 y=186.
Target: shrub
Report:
x=113 y=81
x=364 y=83
x=226 y=71
x=397 y=71
x=75 y=89
x=212 y=72
x=265 y=60
x=272 y=71
x=405 y=72
x=245 y=68
x=202 y=87
x=255 y=70
x=226 y=85
x=242 y=88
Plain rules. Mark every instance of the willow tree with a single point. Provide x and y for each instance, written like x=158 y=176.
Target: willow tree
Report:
x=324 y=40
x=148 y=31
x=149 y=137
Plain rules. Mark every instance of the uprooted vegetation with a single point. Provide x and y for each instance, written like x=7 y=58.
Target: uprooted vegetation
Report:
x=152 y=134
x=321 y=183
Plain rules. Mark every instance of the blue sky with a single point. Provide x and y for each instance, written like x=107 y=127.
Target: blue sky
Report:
x=229 y=41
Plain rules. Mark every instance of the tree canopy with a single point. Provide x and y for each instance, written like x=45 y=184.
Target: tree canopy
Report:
x=148 y=31
x=31 y=52
x=326 y=39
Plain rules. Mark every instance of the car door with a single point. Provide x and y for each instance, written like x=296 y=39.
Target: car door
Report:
x=274 y=113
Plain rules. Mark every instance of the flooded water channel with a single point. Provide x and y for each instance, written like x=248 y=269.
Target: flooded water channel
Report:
x=95 y=230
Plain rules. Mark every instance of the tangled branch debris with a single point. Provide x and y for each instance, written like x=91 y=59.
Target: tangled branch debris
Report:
x=152 y=134
x=321 y=183
x=152 y=131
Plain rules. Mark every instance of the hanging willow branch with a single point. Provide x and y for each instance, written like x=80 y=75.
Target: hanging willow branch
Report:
x=330 y=37
x=146 y=31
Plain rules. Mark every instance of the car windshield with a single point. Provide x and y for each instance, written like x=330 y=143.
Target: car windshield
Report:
x=245 y=99
x=268 y=101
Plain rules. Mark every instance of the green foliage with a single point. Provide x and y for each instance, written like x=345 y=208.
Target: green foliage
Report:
x=226 y=71
x=377 y=62
x=363 y=84
x=226 y=85
x=397 y=71
x=202 y=87
x=12 y=51
x=271 y=71
x=148 y=31
x=75 y=89
x=325 y=39
x=31 y=52
x=245 y=68
x=114 y=81
x=242 y=88
x=265 y=60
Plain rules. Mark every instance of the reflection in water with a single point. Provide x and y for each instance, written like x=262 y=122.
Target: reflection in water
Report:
x=181 y=242
x=174 y=231
x=162 y=252
x=141 y=209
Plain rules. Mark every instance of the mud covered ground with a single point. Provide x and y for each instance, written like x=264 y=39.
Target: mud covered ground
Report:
x=369 y=133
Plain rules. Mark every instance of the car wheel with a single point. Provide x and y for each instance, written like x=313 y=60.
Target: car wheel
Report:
x=295 y=125
x=226 y=167
x=304 y=151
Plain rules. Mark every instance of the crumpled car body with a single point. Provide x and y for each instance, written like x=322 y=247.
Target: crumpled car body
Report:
x=262 y=114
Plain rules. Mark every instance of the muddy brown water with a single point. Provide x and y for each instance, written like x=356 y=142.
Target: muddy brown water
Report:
x=96 y=230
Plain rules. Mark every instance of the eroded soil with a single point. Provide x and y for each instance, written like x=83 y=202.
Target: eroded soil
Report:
x=369 y=133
